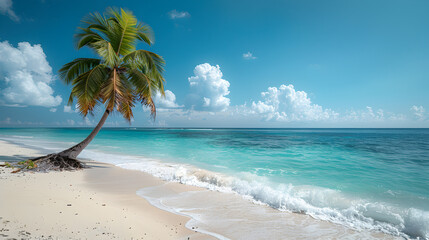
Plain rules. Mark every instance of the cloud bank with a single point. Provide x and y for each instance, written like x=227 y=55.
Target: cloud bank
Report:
x=418 y=112
x=27 y=76
x=208 y=105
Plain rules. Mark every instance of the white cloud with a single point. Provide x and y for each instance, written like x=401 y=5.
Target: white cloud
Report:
x=418 y=112
x=248 y=56
x=367 y=115
x=27 y=76
x=68 y=109
x=174 y=14
x=262 y=107
x=378 y=115
x=70 y=122
x=9 y=121
x=86 y=122
x=6 y=9
x=6 y=121
x=169 y=101
x=208 y=89
x=53 y=110
x=287 y=104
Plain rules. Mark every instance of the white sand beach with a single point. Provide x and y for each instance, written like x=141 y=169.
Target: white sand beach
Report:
x=95 y=203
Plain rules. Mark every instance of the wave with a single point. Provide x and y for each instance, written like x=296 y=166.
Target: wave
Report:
x=199 y=129
x=17 y=136
x=320 y=203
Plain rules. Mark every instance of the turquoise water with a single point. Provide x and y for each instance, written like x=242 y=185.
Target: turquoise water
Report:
x=362 y=178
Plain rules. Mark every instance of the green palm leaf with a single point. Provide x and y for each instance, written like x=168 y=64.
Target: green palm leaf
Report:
x=107 y=52
x=86 y=88
x=145 y=88
x=125 y=31
x=73 y=69
x=86 y=37
x=145 y=34
x=147 y=62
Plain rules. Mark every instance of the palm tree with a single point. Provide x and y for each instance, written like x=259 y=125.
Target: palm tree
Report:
x=116 y=81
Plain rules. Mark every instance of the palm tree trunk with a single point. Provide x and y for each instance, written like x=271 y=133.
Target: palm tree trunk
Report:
x=74 y=151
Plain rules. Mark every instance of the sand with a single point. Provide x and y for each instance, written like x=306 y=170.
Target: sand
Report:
x=95 y=203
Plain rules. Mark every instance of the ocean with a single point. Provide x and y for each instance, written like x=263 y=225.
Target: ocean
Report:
x=363 y=179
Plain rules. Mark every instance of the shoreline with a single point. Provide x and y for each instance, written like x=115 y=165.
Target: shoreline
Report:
x=132 y=190
x=98 y=202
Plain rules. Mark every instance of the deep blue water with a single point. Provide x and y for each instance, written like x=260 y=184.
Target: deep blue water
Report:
x=371 y=178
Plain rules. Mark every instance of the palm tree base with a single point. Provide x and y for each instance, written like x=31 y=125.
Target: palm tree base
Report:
x=56 y=162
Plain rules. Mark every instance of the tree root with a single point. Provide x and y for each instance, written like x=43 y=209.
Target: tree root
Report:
x=56 y=162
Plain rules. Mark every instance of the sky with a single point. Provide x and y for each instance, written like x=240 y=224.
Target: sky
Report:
x=233 y=63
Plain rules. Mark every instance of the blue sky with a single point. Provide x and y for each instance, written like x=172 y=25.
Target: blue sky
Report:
x=235 y=63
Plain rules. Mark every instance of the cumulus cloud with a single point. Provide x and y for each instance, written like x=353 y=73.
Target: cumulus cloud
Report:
x=174 y=14
x=379 y=115
x=169 y=101
x=86 y=122
x=68 y=109
x=27 y=76
x=208 y=89
x=70 y=122
x=248 y=56
x=418 y=112
x=6 y=9
x=287 y=104
x=6 y=121
x=367 y=115
x=11 y=122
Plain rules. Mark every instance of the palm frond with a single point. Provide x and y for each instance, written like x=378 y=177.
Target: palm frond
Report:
x=146 y=88
x=149 y=65
x=145 y=33
x=95 y=28
x=124 y=31
x=86 y=37
x=111 y=91
x=98 y=22
x=73 y=69
x=148 y=102
x=106 y=51
x=145 y=60
x=86 y=88
x=128 y=98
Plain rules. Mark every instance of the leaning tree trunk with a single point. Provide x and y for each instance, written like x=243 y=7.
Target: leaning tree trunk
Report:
x=74 y=151
x=66 y=160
